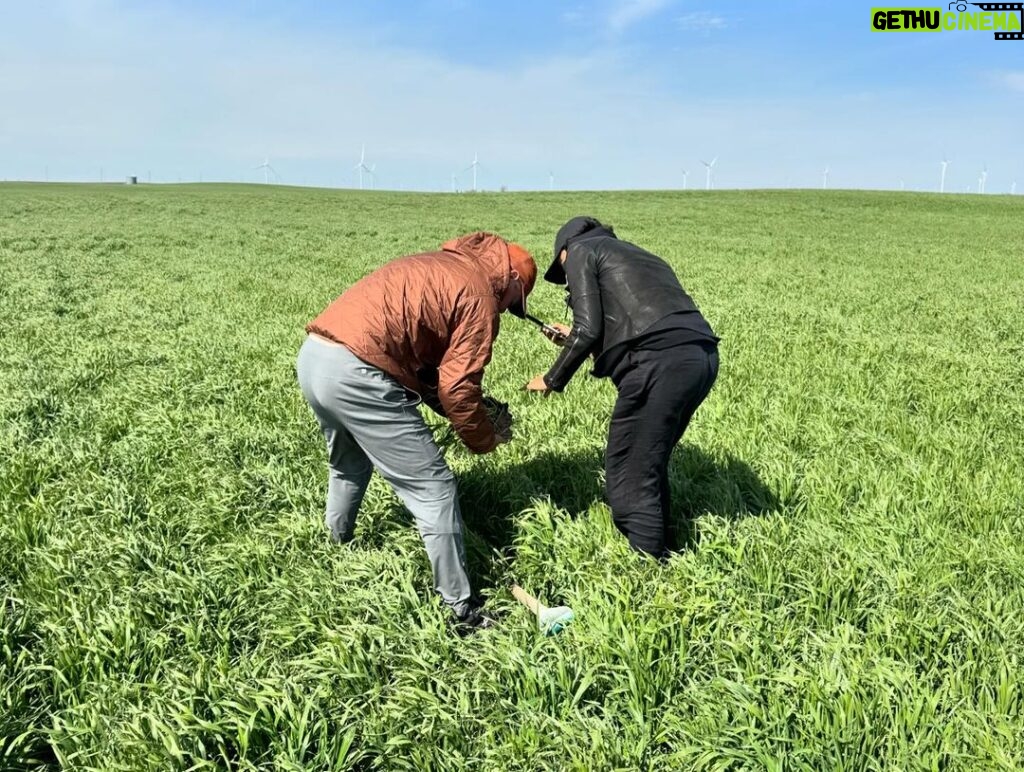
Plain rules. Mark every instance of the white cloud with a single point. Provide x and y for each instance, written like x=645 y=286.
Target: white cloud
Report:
x=574 y=16
x=1010 y=79
x=701 y=21
x=187 y=93
x=626 y=13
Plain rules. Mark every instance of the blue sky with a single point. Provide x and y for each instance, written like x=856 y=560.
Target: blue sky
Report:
x=617 y=94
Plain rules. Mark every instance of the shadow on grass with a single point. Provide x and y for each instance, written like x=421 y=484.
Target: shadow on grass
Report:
x=702 y=484
x=491 y=499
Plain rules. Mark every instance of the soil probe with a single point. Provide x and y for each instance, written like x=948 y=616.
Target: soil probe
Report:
x=546 y=328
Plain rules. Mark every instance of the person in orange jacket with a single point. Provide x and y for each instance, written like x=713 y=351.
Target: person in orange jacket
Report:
x=421 y=327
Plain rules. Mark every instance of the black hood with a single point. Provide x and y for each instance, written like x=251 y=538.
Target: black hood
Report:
x=577 y=226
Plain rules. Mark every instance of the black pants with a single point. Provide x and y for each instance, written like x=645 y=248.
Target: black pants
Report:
x=658 y=394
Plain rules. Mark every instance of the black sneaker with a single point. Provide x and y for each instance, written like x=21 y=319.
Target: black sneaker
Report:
x=476 y=618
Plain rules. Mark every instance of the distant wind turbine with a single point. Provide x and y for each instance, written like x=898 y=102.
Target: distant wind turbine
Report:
x=685 y=173
x=551 y=180
x=710 y=165
x=1013 y=188
x=473 y=166
x=362 y=167
x=942 y=179
x=267 y=170
x=455 y=183
x=824 y=179
x=981 y=180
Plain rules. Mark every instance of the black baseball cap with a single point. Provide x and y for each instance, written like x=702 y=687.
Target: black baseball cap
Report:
x=575 y=227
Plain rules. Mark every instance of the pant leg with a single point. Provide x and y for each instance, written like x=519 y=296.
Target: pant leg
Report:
x=631 y=480
x=657 y=397
x=349 y=475
x=707 y=367
x=349 y=469
x=384 y=422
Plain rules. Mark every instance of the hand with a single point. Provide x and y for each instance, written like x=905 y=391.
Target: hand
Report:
x=538 y=386
x=556 y=333
x=504 y=435
x=501 y=418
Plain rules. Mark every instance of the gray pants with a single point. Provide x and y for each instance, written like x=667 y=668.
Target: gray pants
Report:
x=369 y=422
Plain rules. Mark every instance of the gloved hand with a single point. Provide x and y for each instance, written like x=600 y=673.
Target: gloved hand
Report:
x=500 y=417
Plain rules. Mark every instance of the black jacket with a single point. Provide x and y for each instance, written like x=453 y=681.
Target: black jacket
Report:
x=617 y=292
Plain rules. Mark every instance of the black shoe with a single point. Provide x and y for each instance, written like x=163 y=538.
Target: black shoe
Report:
x=476 y=618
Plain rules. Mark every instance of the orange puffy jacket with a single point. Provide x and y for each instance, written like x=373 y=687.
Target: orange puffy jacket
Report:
x=430 y=321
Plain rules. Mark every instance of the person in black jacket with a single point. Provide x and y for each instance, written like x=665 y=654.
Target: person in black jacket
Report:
x=645 y=333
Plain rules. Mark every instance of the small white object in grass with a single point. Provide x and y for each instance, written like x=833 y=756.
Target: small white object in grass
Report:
x=550 y=621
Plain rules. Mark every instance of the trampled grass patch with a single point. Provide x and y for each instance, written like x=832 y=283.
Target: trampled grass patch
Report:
x=851 y=597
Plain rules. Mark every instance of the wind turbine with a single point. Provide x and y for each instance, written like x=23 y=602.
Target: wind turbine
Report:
x=902 y=186
x=473 y=167
x=824 y=179
x=362 y=167
x=981 y=180
x=685 y=173
x=455 y=183
x=551 y=180
x=267 y=169
x=710 y=166
x=1013 y=188
x=942 y=179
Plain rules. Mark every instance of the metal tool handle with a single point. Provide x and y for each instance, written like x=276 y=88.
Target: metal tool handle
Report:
x=547 y=329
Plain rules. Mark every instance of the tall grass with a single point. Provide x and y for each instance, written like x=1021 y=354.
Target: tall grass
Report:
x=851 y=491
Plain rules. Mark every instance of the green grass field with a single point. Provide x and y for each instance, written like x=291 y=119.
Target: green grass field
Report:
x=851 y=598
